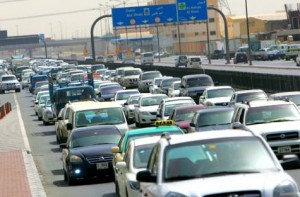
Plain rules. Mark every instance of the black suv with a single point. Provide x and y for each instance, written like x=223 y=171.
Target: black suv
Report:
x=240 y=57
x=181 y=60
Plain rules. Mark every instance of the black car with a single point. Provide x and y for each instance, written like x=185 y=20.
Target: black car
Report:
x=240 y=57
x=87 y=153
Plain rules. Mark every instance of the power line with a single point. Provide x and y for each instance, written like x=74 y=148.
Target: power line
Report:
x=47 y=15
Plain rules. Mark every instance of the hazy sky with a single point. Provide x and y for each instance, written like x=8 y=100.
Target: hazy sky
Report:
x=42 y=16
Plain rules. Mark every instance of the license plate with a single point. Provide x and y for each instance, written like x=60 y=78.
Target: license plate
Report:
x=101 y=166
x=284 y=149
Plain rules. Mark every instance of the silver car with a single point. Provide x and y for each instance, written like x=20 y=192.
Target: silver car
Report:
x=9 y=82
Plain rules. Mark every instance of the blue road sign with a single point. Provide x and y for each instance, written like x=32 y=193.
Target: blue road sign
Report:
x=144 y=15
x=191 y=10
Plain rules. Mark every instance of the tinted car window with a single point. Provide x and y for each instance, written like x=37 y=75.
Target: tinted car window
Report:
x=200 y=81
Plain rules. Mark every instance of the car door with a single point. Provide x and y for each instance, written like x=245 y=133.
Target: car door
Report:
x=122 y=173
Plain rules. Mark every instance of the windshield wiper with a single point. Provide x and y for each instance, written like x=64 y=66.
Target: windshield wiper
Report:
x=228 y=173
x=281 y=120
x=179 y=178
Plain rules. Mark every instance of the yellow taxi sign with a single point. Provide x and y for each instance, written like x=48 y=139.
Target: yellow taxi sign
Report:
x=164 y=123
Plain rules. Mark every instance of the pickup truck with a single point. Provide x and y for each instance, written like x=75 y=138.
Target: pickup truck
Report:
x=9 y=82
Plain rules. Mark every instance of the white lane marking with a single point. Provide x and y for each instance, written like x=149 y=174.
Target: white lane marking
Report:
x=22 y=126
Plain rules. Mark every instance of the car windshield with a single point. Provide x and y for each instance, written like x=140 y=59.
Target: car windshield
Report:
x=170 y=107
x=9 y=78
x=182 y=57
x=148 y=76
x=147 y=54
x=184 y=115
x=214 y=118
x=216 y=93
x=176 y=86
x=216 y=157
x=95 y=137
x=199 y=81
x=195 y=59
x=157 y=81
x=168 y=82
x=43 y=100
x=141 y=155
x=133 y=100
x=250 y=96
x=125 y=95
x=132 y=72
x=154 y=100
x=110 y=90
x=294 y=98
x=274 y=113
x=103 y=116
x=77 y=78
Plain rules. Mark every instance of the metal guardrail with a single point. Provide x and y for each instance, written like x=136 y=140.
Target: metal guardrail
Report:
x=244 y=80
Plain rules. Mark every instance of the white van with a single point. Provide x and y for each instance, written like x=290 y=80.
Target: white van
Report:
x=147 y=58
x=194 y=61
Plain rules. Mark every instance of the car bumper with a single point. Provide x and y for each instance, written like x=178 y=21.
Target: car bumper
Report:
x=89 y=171
x=147 y=119
x=285 y=147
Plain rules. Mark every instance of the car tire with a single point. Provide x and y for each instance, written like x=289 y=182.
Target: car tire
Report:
x=70 y=180
x=18 y=90
x=117 y=189
x=39 y=118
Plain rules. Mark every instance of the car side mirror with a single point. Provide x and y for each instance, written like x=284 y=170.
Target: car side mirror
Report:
x=59 y=118
x=145 y=176
x=115 y=149
x=121 y=165
x=63 y=145
x=125 y=104
x=192 y=124
x=202 y=97
x=69 y=126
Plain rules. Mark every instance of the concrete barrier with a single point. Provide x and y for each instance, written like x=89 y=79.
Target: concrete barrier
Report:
x=5 y=109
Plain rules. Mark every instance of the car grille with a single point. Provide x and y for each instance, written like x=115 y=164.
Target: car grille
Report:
x=99 y=158
x=282 y=136
x=153 y=113
x=237 y=194
x=133 y=80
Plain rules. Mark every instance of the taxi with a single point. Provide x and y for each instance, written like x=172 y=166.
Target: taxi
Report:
x=166 y=126
x=231 y=162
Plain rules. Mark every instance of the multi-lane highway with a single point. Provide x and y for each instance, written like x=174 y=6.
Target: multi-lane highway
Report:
x=47 y=154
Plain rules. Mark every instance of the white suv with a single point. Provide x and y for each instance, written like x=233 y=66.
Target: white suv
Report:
x=216 y=163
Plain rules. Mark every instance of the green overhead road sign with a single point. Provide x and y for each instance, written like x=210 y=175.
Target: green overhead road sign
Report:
x=181 y=6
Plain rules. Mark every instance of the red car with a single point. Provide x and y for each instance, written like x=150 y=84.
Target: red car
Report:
x=183 y=115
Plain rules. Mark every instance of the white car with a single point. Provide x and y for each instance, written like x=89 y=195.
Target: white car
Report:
x=135 y=160
x=298 y=60
x=47 y=113
x=128 y=107
x=216 y=96
x=174 y=89
x=9 y=82
x=154 y=86
x=167 y=106
x=129 y=78
x=145 y=110
x=121 y=96
x=41 y=104
x=232 y=162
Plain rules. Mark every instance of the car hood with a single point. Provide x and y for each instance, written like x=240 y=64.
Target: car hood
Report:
x=261 y=182
x=219 y=100
x=10 y=81
x=88 y=151
x=275 y=127
x=184 y=124
x=152 y=108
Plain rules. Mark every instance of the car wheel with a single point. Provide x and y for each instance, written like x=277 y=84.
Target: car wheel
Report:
x=18 y=90
x=57 y=139
x=39 y=118
x=70 y=180
x=65 y=176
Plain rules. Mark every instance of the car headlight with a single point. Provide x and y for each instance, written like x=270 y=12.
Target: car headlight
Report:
x=144 y=113
x=175 y=194
x=134 y=185
x=75 y=159
x=286 y=188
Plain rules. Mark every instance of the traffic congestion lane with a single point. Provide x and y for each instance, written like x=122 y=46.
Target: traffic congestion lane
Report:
x=47 y=156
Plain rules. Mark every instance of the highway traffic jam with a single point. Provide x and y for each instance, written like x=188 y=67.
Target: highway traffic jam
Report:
x=156 y=135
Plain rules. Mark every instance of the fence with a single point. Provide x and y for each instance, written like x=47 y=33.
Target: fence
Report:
x=5 y=109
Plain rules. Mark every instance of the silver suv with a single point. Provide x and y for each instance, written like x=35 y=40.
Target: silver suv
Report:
x=215 y=163
x=276 y=121
x=9 y=82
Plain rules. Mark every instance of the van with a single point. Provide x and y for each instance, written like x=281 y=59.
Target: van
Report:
x=194 y=61
x=147 y=58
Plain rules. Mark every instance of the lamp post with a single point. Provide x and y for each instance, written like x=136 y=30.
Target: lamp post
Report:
x=248 y=35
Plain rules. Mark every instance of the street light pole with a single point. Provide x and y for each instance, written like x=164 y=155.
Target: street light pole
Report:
x=248 y=35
